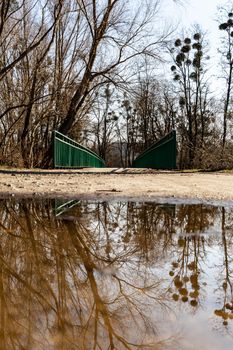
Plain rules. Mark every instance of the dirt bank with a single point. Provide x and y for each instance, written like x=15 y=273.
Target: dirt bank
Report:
x=117 y=183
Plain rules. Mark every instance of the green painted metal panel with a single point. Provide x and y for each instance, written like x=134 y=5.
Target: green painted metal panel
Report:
x=68 y=153
x=161 y=155
x=61 y=205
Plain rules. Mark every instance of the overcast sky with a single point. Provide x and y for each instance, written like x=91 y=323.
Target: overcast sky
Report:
x=202 y=12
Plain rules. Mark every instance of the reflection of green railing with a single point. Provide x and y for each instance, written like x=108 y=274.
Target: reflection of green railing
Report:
x=68 y=153
x=61 y=205
x=161 y=155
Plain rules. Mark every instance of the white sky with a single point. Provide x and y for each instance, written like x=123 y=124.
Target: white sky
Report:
x=202 y=12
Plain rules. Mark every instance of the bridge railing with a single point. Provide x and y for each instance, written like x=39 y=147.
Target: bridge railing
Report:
x=68 y=153
x=160 y=155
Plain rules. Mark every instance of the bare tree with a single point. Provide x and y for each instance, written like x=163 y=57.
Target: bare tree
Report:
x=113 y=36
x=189 y=73
x=227 y=60
x=55 y=55
x=27 y=32
x=11 y=19
x=104 y=120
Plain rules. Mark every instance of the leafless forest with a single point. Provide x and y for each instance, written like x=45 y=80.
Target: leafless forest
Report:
x=92 y=69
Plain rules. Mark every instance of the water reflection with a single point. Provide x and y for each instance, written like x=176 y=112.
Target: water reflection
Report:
x=114 y=275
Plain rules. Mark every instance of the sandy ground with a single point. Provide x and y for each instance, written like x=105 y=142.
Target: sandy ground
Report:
x=135 y=184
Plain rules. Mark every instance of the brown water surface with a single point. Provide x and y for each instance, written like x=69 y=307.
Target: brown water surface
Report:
x=114 y=275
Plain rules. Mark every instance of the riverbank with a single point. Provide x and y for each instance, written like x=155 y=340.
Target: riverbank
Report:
x=122 y=184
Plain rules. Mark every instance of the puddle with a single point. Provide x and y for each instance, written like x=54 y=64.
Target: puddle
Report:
x=115 y=275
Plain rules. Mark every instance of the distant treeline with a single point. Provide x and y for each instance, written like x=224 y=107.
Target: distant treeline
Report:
x=90 y=69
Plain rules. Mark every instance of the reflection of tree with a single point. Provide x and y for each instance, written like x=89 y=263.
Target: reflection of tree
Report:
x=195 y=218
x=191 y=222
x=93 y=278
x=186 y=269
x=102 y=307
x=226 y=312
x=60 y=288
x=150 y=229
x=153 y=225
x=140 y=227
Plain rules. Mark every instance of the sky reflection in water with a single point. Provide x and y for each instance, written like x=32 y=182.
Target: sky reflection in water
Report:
x=115 y=276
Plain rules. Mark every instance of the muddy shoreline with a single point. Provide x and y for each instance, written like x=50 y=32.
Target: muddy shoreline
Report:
x=119 y=184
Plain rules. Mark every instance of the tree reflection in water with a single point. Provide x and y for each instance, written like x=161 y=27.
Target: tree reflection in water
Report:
x=225 y=287
x=93 y=277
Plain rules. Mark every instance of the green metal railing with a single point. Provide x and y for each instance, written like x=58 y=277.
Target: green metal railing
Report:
x=161 y=155
x=68 y=153
x=61 y=205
